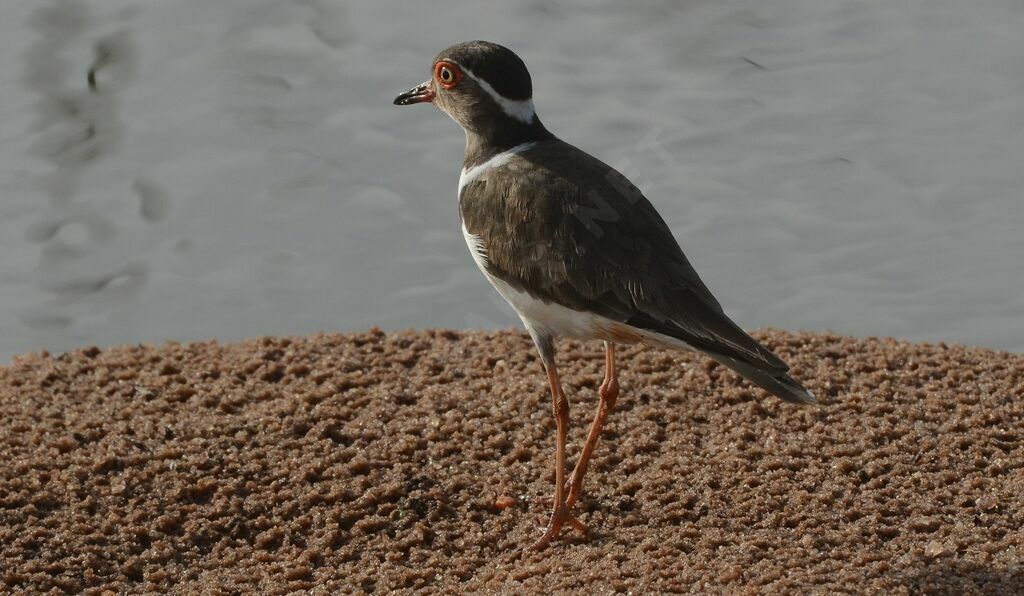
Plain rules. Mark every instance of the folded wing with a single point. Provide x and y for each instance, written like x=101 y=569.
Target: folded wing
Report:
x=574 y=231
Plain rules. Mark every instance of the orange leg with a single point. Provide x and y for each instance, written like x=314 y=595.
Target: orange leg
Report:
x=609 y=392
x=560 y=514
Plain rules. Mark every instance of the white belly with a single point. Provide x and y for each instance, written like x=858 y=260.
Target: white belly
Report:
x=557 y=320
x=546 y=317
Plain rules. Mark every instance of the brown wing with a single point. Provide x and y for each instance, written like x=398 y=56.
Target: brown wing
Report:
x=569 y=229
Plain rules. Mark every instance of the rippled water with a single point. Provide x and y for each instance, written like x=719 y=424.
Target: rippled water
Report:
x=194 y=169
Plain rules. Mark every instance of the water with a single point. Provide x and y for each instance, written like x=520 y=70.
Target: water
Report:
x=236 y=168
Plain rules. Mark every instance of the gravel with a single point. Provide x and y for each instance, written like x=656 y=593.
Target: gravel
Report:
x=417 y=461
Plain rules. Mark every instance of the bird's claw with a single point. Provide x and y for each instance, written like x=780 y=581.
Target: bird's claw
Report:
x=559 y=517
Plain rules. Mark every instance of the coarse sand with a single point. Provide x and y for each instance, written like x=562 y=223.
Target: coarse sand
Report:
x=418 y=461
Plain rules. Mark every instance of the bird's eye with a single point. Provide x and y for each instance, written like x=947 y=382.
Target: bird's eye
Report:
x=447 y=74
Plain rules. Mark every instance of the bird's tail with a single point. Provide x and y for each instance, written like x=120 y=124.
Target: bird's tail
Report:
x=774 y=382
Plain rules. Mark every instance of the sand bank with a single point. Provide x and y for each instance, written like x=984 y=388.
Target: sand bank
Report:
x=375 y=461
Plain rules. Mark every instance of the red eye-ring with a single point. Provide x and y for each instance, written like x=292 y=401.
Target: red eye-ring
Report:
x=447 y=74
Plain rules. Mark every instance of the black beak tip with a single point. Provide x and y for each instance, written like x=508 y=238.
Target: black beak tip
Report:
x=418 y=94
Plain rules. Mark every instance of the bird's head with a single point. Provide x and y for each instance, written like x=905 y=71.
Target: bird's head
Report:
x=483 y=86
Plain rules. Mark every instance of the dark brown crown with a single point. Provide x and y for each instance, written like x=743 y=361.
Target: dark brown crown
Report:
x=494 y=64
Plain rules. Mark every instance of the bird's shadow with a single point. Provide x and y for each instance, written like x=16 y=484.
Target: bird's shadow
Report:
x=959 y=577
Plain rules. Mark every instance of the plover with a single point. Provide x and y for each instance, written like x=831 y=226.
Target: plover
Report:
x=574 y=247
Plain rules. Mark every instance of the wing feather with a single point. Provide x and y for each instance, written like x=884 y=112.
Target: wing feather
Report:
x=570 y=229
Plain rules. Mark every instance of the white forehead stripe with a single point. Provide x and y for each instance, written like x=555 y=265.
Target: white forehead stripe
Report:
x=520 y=109
x=471 y=174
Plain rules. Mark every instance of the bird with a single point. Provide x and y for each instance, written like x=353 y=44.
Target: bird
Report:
x=575 y=248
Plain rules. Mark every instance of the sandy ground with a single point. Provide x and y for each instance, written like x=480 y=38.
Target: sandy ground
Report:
x=374 y=462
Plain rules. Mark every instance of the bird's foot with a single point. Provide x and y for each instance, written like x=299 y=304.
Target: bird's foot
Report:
x=559 y=517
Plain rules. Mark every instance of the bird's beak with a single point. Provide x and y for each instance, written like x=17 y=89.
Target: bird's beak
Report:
x=418 y=94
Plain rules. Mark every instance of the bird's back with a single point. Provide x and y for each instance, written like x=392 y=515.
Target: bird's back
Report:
x=567 y=228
